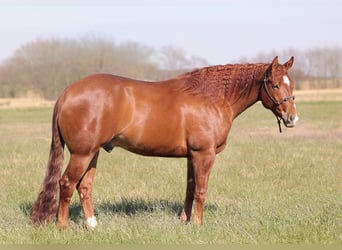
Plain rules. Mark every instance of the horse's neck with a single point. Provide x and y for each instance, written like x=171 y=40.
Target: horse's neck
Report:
x=246 y=90
x=237 y=86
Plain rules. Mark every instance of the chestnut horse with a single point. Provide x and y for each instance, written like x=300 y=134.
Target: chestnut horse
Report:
x=187 y=116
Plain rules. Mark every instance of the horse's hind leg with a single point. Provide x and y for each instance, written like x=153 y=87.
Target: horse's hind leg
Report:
x=84 y=188
x=76 y=168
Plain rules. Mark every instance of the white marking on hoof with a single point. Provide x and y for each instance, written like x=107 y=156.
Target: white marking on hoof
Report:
x=92 y=222
x=286 y=80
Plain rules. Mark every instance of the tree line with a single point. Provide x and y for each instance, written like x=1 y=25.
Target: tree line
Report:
x=47 y=66
x=314 y=68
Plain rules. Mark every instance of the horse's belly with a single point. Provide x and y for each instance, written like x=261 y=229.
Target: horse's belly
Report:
x=153 y=145
x=151 y=129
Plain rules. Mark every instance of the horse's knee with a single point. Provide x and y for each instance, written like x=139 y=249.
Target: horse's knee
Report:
x=200 y=195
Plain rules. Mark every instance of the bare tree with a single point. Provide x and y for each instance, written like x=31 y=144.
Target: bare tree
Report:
x=175 y=61
x=47 y=66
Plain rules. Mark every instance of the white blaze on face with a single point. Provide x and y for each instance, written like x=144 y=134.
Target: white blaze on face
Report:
x=286 y=80
x=297 y=117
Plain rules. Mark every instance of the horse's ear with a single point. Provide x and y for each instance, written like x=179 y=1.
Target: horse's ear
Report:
x=272 y=65
x=275 y=61
x=289 y=63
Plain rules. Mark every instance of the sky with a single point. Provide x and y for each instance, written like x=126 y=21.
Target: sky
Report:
x=217 y=30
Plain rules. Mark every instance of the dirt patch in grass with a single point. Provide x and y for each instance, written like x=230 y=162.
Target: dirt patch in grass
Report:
x=318 y=95
x=12 y=103
x=302 y=131
x=305 y=132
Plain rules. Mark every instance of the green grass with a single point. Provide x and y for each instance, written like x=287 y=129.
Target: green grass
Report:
x=265 y=187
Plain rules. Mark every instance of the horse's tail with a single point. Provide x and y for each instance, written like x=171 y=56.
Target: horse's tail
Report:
x=44 y=209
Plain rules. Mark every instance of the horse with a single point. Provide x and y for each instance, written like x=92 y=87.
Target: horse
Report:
x=187 y=116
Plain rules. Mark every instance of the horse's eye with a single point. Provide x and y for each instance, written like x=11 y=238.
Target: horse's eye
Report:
x=275 y=86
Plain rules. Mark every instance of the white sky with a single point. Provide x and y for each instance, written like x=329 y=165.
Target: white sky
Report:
x=217 y=30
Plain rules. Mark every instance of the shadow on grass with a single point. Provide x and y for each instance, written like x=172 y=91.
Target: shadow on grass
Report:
x=127 y=206
x=130 y=207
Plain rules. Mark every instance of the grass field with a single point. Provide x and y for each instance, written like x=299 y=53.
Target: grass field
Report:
x=265 y=187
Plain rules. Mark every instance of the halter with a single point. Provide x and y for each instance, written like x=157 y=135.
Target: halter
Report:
x=275 y=102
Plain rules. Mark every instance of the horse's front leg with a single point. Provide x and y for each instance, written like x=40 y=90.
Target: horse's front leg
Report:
x=202 y=162
x=84 y=188
x=189 y=196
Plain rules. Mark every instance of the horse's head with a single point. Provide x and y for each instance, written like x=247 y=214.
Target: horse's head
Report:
x=276 y=93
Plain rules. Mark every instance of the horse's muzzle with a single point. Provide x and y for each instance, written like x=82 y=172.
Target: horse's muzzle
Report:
x=290 y=120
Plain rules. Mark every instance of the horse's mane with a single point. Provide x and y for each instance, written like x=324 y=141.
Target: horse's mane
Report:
x=223 y=81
